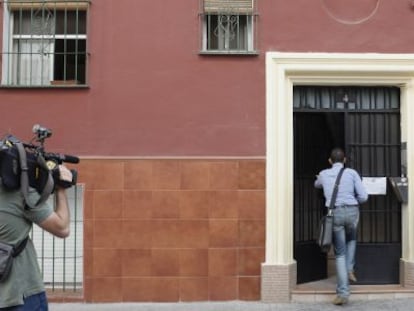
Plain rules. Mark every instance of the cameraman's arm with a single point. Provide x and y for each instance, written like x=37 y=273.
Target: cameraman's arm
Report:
x=58 y=222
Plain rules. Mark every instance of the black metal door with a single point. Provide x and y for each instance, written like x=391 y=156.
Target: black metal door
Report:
x=365 y=121
x=315 y=133
x=374 y=149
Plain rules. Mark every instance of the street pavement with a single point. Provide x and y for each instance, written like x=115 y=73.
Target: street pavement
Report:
x=367 y=305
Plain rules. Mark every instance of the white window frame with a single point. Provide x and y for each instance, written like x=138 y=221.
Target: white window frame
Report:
x=10 y=63
x=239 y=39
x=7 y=42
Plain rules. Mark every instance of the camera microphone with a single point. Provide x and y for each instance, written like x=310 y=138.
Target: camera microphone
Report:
x=41 y=132
x=69 y=158
x=59 y=158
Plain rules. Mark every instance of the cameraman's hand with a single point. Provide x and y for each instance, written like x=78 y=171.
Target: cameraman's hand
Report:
x=65 y=174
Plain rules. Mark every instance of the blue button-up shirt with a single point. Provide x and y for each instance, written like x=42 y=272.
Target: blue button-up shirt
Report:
x=351 y=191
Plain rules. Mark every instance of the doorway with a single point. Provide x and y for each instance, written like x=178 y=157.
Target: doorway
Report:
x=365 y=122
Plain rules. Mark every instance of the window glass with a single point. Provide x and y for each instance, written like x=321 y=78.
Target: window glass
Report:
x=34 y=22
x=227 y=32
x=71 y=22
x=70 y=60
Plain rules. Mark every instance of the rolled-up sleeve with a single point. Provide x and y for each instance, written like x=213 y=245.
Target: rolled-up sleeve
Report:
x=39 y=213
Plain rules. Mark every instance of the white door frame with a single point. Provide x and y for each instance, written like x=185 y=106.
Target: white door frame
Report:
x=283 y=71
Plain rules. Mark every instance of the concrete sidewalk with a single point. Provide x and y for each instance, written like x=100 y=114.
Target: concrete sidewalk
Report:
x=368 y=305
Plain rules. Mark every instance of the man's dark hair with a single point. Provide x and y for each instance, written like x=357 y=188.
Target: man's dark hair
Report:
x=337 y=155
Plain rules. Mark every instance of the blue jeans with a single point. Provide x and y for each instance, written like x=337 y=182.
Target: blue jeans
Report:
x=344 y=240
x=36 y=302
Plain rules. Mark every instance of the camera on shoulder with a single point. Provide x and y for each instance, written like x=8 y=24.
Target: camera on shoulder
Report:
x=29 y=164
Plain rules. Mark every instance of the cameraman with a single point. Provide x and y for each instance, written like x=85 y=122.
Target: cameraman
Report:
x=24 y=290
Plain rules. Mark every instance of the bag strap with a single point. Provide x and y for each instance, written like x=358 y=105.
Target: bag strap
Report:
x=335 y=191
x=20 y=247
x=24 y=178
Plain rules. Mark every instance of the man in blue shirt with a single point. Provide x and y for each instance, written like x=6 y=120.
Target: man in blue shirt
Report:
x=351 y=192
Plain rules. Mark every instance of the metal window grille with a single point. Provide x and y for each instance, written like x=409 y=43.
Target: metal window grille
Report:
x=44 y=42
x=61 y=260
x=228 y=26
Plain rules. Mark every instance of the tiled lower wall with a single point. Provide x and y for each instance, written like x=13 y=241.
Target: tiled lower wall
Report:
x=173 y=229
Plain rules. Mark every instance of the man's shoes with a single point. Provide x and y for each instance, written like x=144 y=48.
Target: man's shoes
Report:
x=352 y=277
x=339 y=301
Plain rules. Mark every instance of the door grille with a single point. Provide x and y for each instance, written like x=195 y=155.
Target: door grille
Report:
x=365 y=121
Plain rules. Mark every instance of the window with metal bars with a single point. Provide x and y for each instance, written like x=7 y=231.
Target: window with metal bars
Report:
x=228 y=27
x=44 y=43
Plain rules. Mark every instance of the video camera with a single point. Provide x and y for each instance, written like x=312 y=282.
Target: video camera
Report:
x=29 y=164
x=52 y=159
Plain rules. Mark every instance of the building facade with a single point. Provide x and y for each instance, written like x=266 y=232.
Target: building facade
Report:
x=200 y=125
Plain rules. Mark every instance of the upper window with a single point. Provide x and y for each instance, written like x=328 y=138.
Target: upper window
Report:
x=228 y=27
x=44 y=43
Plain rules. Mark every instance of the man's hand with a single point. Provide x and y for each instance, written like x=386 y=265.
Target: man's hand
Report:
x=65 y=174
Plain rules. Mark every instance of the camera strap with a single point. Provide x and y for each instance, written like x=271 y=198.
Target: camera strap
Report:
x=20 y=247
x=24 y=178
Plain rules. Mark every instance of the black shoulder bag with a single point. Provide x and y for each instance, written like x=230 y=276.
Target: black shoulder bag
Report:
x=326 y=226
x=7 y=253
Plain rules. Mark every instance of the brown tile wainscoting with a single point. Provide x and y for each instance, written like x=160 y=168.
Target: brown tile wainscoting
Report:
x=173 y=229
